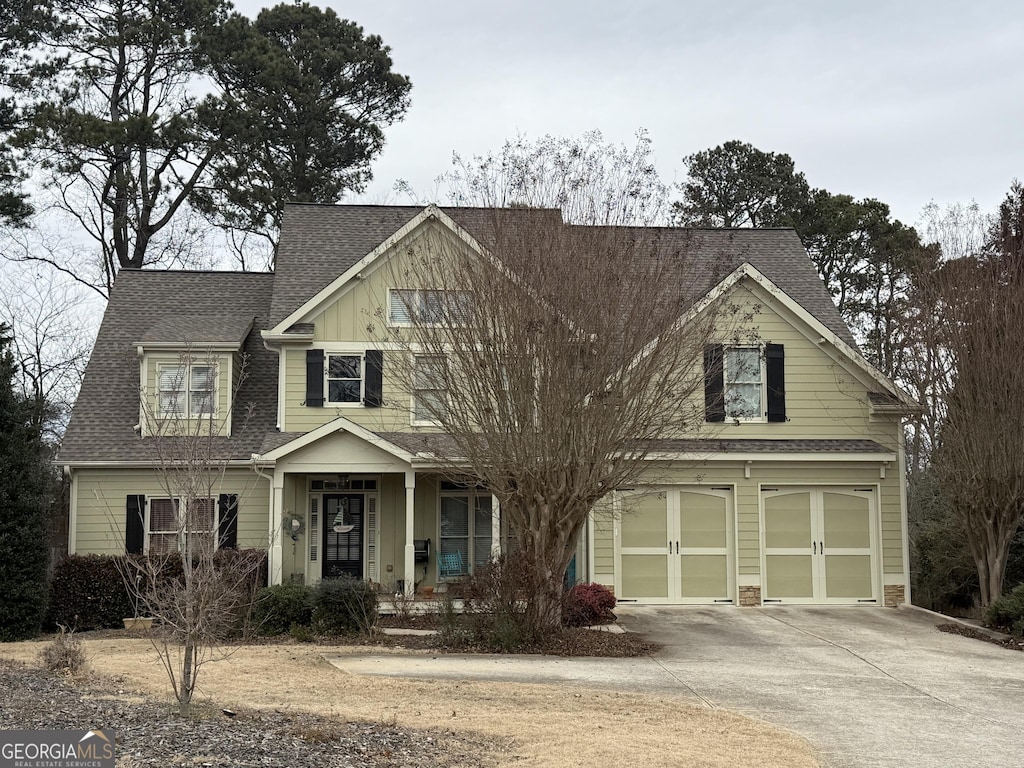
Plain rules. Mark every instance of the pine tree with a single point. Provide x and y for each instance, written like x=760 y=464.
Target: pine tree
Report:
x=23 y=505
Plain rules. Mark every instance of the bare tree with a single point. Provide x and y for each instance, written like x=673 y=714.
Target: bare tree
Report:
x=53 y=322
x=554 y=363
x=977 y=302
x=197 y=594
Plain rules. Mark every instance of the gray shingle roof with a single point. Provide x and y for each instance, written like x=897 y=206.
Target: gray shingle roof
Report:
x=108 y=403
x=318 y=243
x=438 y=444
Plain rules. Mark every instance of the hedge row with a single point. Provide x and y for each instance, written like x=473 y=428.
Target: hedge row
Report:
x=89 y=591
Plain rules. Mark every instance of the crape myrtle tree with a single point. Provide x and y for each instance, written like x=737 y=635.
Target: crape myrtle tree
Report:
x=198 y=593
x=24 y=494
x=555 y=359
x=978 y=309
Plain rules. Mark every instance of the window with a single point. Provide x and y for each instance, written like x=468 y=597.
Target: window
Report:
x=167 y=532
x=743 y=383
x=344 y=379
x=187 y=390
x=408 y=306
x=465 y=523
x=429 y=393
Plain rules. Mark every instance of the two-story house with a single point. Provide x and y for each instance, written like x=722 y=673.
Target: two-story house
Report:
x=796 y=494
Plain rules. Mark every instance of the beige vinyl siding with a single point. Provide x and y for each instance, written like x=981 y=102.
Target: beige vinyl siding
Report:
x=393 y=416
x=603 y=555
x=825 y=398
x=227 y=375
x=100 y=506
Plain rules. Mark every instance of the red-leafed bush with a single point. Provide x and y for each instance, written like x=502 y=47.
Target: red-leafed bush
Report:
x=587 y=604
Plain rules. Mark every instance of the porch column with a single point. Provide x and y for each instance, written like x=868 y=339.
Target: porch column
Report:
x=410 y=533
x=275 y=566
x=495 y=528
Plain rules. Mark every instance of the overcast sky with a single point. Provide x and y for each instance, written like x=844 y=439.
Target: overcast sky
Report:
x=903 y=101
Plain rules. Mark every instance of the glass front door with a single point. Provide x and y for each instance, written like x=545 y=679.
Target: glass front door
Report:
x=343 y=535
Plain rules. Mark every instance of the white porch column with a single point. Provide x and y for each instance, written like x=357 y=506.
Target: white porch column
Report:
x=495 y=528
x=275 y=566
x=410 y=533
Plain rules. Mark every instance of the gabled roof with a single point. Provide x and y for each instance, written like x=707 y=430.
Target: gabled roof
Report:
x=318 y=244
x=321 y=242
x=141 y=303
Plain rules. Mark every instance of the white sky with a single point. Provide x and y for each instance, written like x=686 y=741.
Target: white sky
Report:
x=907 y=102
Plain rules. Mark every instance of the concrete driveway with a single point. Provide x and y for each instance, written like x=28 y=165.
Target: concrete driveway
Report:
x=866 y=686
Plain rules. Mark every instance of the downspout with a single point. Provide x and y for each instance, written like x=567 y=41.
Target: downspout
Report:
x=271 y=527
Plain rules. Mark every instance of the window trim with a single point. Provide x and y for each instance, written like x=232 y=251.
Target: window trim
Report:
x=179 y=530
x=361 y=356
x=471 y=493
x=186 y=411
x=727 y=384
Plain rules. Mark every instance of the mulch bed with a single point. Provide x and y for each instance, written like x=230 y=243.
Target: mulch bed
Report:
x=149 y=733
x=1012 y=643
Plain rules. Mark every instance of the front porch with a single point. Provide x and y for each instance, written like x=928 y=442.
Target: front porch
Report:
x=346 y=501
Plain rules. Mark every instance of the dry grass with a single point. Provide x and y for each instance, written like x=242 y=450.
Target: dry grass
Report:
x=544 y=725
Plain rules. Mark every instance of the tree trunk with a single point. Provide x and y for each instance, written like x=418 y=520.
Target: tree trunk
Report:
x=187 y=677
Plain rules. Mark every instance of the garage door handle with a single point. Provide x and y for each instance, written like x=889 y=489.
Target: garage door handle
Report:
x=815 y=547
x=677 y=547
x=670 y=546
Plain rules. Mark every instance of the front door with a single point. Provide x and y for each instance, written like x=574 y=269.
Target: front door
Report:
x=343 y=535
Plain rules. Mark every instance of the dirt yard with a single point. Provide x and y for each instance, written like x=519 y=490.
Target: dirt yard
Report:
x=542 y=726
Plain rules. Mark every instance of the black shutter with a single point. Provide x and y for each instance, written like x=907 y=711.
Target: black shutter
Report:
x=373 y=390
x=775 y=370
x=134 y=524
x=227 y=526
x=314 y=378
x=714 y=383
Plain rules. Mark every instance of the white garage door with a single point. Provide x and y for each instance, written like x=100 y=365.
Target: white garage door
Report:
x=675 y=545
x=819 y=545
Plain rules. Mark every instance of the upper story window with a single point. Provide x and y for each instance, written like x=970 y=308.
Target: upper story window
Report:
x=744 y=383
x=344 y=378
x=417 y=306
x=187 y=390
x=429 y=393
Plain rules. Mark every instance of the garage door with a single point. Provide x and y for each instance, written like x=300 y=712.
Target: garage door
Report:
x=675 y=545
x=819 y=545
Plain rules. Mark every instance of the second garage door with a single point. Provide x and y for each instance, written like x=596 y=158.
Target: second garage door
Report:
x=819 y=545
x=676 y=545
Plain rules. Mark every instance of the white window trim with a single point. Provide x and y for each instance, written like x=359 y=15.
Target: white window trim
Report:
x=763 y=417
x=361 y=354
x=179 y=503
x=186 y=413
x=412 y=399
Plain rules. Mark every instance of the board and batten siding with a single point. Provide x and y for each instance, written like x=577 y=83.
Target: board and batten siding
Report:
x=100 y=506
x=356 y=320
